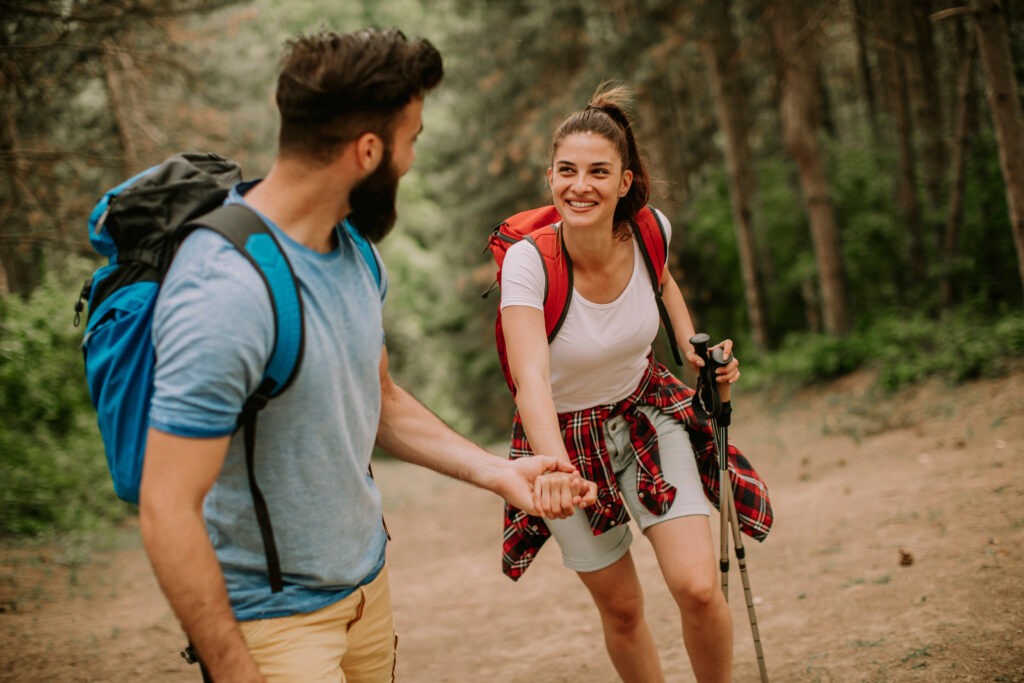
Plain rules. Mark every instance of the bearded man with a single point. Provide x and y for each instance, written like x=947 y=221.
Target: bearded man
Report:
x=351 y=110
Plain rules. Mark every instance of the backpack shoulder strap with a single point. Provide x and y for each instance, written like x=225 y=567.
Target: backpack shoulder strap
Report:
x=650 y=235
x=251 y=236
x=557 y=276
x=365 y=250
x=653 y=243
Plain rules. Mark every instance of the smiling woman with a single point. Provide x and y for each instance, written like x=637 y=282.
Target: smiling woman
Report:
x=596 y=397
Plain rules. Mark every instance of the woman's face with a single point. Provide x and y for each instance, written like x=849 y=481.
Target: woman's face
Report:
x=587 y=179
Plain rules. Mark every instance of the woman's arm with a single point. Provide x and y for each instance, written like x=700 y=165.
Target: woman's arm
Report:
x=526 y=346
x=410 y=432
x=679 y=314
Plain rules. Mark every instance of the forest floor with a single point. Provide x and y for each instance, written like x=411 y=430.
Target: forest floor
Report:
x=896 y=555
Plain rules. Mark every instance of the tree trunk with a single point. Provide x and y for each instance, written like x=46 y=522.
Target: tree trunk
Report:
x=860 y=19
x=799 y=110
x=721 y=53
x=965 y=121
x=1004 y=100
x=19 y=208
x=812 y=308
x=926 y=96
x=892 y=21
x=116 y=97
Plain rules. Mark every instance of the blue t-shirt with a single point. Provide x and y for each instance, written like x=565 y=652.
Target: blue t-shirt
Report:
x=213 y=331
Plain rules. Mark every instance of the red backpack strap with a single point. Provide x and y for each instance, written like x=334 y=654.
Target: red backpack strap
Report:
x=653 y=243
x=536 y=227
x=650 y=235
x=557 y=277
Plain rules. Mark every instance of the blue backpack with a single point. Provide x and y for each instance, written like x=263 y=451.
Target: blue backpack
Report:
x=139 y=225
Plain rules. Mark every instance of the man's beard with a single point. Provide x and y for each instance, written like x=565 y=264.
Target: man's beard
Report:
x=373 y=201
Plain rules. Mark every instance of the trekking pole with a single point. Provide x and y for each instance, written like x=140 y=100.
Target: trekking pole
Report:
x=717 y=398
x=710 y=400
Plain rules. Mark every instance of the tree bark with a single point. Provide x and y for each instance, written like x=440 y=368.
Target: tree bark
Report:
x=965 y=122
x=926 y=96
x=800 y=114
x=116 y=98
x=1004 y=100
x=892 y=21
x=864 y=64
x=18 y=271
x=721 y=53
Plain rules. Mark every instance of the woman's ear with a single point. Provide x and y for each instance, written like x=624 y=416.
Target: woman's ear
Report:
x=550 y=173
x=627 y=182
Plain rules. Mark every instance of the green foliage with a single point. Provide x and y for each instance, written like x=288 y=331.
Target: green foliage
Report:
x=53 y=472
x=204 y=79
x=963 y=344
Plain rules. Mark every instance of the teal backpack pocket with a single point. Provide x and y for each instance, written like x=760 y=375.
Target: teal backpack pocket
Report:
x=119 y=362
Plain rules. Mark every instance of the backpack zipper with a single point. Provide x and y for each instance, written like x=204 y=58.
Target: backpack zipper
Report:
x=83 y=296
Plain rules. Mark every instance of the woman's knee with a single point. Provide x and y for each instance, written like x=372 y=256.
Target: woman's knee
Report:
x=623 y=613
x=696 y=591
x=620 y=602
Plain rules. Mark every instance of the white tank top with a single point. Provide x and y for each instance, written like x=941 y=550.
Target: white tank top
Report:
x=600 y=352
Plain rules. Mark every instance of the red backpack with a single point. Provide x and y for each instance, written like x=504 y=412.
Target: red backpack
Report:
x=537 y=226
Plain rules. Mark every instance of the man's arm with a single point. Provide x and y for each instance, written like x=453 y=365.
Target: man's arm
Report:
x=176 y=475
x=410 y=432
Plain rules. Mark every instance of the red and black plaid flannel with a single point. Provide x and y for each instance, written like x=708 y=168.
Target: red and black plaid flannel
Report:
x=583 y=432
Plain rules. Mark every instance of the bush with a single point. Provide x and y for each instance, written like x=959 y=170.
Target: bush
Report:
x=961 y=345
x=53 y=473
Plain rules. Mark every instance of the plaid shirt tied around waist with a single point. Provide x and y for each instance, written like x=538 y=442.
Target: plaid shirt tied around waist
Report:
x=583 y=432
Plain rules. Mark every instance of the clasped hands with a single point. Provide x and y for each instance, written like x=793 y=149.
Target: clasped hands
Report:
x=550 y=487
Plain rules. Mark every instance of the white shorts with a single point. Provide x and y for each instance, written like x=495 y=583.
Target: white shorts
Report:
x=582 y=551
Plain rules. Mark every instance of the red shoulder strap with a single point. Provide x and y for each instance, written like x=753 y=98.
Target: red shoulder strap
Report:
x=653 y=244
x=557 y=276
x=536 y=226
x=654 y=247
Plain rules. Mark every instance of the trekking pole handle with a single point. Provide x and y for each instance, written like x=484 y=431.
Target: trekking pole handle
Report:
x=718 y=361
x=700 y=342
x=712 y=361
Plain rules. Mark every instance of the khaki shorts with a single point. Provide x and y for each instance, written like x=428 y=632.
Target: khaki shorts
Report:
x=582 y=551
x=352 y=640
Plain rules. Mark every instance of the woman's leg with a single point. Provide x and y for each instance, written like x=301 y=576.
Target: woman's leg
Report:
x=686 y=555
x=620 y=602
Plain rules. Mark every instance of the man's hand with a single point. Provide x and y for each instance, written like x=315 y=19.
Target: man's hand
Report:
x=553 y=496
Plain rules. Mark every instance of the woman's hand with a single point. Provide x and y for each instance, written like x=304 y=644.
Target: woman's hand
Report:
x=728 y=373
x=556 y=495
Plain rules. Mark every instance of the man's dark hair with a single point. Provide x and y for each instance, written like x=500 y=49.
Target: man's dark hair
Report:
x=333 y=87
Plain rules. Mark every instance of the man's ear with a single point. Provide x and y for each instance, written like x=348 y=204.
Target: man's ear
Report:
x=369 y=148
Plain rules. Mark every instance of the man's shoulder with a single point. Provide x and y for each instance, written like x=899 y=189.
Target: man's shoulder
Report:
x=207 y=260
x=212 y=279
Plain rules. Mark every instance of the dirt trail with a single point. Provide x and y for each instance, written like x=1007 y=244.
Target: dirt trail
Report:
x=936 y=473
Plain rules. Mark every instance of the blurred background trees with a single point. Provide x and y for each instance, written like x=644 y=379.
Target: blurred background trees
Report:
x=844 y=178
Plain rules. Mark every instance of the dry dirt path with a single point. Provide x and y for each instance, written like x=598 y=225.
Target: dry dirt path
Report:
x=936 y=473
